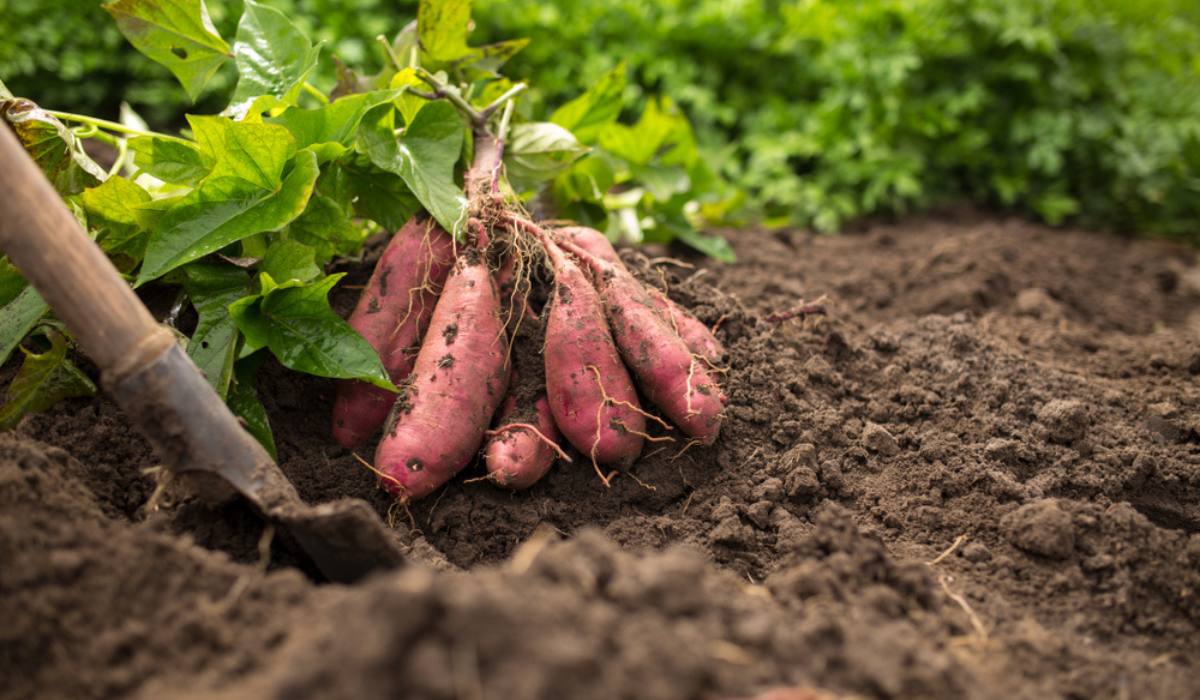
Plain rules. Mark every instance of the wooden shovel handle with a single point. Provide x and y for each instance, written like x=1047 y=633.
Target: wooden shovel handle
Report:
x=47 y=244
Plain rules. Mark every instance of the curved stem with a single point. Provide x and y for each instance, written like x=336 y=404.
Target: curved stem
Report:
x=312 y=90
x=441 y=89
x=391 y=54
x=504 y=98
x=111 y=126
x=122 y=151
x=505 y=118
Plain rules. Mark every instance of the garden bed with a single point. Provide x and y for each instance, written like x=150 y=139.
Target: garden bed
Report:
x=978 y=476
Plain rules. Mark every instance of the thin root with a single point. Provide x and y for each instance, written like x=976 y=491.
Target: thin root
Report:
x=976 y=623
x=610 y=401
x=949 y=550
x=541 y=436
x=645 y=436
x=801 y=310
x=641 y=483
x=672 y=261
x=162 y=479
x=687 y=446
x=384 y=476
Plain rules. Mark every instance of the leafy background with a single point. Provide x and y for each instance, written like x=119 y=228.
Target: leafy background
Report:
x=820 y=112
x=239 y=214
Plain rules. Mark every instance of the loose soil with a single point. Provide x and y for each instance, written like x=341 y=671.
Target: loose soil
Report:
x=978 y=476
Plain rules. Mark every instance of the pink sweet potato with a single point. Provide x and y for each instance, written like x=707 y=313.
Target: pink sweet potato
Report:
x=392 y=315
x=667 y=371
x=459 y=378
x=516 y=457
x=591 y=396
x=699 y=339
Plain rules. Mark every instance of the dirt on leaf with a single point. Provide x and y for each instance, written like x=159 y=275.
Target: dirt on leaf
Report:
x=977 y=476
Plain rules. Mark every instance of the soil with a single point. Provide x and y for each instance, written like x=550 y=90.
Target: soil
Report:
x=978 y=476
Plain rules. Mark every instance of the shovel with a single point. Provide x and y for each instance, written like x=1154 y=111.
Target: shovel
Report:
x=155 y=383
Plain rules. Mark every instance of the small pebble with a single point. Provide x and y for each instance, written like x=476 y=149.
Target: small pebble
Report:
x=876 y=438
x=1041 y=528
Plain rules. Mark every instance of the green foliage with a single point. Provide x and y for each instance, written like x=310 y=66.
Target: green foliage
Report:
x=43 y=380
x=53 y=147
x=294 y=320
x=17 y=318
x=273 y=59
x=177 y=34
x=423 y=156
x=1059 y=109
x=245 y=404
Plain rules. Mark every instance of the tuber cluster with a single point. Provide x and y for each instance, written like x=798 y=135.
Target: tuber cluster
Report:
x=451 y=318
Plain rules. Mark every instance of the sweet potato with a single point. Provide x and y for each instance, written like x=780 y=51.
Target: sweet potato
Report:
x=699 y=339
x=459 y=378
x=391 y=315
x=591 y=396
x=516 y=456
x=667 y=371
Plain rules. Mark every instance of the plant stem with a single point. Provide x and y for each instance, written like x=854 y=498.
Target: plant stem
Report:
x=441 y=89
x=510 y=93
x=505 y=118
x=122 y=151
x=312 y=90
x=111 y=126
x=387 y=48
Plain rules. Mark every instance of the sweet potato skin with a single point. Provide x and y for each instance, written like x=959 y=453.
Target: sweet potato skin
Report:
x=583 y=367
x=699 y=339
x=459 y=378
x=516 y=458
x=392 y=314
x=674 y=380
x=592 y=241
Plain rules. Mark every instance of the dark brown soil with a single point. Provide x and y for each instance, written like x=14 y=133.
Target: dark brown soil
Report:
x=978 y=476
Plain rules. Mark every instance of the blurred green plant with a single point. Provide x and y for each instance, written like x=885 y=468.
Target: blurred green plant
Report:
x=819 y=111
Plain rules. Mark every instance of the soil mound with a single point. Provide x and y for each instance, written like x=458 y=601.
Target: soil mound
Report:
x=978 y=476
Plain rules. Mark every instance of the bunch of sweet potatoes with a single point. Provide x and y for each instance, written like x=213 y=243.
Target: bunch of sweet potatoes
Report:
x=445 y=315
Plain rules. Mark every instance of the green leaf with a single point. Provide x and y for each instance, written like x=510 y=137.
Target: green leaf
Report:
x=43 y=380
x=168 y=160
x=177 y=34
x=304 y=333
x=408 y=103
x=17 y=318
x=381 y=197
x=52 y=146
x=600 y=105
x=588 y=180
x=11 y=281
x=225 y=210
x=212 y=288
x=115 y=200
x=288 y=260
x=442 y=26
x=663 y=181
x=711 y=245
x=256 y=153
x=538 y=151
x=245 y=404
x=5 y=93
x=484 y=61
x=659 y=132
x=328 y=228
x=113 y=206
x=423 y=156
x=329 y=130
x=273 y=58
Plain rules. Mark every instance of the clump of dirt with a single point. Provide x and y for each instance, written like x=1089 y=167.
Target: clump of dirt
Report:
x=978 y=476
